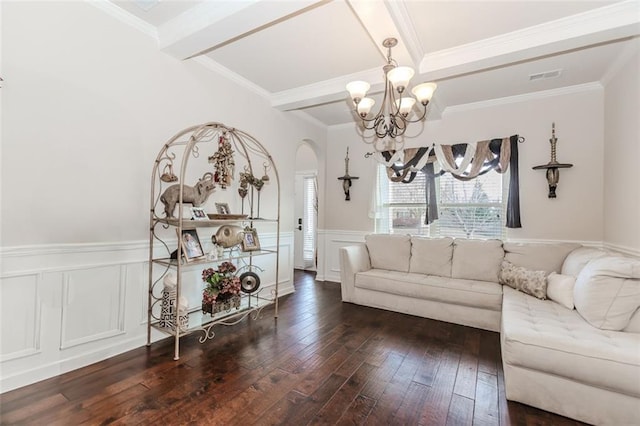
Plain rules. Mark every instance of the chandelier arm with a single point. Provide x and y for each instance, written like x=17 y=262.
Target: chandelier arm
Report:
x=424 y=114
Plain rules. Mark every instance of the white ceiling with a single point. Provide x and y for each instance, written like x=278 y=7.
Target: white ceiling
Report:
x=300 y=54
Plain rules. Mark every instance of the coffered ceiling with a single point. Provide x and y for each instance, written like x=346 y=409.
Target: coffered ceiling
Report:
x=300 y=54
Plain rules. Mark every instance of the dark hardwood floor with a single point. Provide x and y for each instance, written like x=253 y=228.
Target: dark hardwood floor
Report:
x=322 y=362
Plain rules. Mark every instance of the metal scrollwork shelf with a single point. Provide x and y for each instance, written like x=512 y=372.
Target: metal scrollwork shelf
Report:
x=217 y=158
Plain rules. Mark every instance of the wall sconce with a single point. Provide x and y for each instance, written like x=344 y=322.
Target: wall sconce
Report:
x=552 y=167
x=346 y=179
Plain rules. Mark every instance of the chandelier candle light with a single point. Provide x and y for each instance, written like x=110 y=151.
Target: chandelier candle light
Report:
x=392 y=118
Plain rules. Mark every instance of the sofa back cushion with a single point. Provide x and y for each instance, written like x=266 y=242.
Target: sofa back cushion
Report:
x=577 y=259
x=607 y=291
x=390 y=252
x=538 y=257
x=431 y=256
x=477 y=259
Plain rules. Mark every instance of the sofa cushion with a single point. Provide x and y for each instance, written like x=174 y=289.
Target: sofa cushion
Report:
x=533 y=283
x=634 y=323
x=607 y=291
x=431 y=256
x=560 y=289
x=577 y=259
x=479 y=294
x=477 y=259
x=538 y=257
x=544 y=336
x=387 y=251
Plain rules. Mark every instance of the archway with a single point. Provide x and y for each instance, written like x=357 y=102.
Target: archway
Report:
x=306 y=207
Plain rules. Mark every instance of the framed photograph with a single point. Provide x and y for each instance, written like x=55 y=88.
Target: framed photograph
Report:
x=222 y=208
x=198 y=213
x=250 y=240
x=191 y=247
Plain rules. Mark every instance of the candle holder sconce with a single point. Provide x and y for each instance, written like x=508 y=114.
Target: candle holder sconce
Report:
x=346 y=179
x=552 y=167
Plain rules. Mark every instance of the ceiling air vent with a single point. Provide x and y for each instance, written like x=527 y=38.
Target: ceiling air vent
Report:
x=545 y=75
x=146 y=4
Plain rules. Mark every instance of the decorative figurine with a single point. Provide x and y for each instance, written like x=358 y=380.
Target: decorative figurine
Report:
x=196 y=195
x=346 y=179
x=553 y=174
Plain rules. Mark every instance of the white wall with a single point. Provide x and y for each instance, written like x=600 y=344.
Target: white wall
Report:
x=87 y=103
x=577 y=213
x=622 y=153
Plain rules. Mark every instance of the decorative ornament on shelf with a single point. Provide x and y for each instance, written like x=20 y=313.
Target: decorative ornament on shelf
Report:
x=346 y=179
x=222 y=290
x=228 y=236
x=552 y=167
x=392 y=118
x=246 y=179
x=223 y=162
x=196 y=195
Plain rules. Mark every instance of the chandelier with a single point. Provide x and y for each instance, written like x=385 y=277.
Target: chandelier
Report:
x=392 y=118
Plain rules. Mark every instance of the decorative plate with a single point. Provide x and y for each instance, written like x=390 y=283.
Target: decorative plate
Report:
x=249 y=282
x=217 y=216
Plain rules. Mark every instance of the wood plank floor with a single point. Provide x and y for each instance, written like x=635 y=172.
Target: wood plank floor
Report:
x=323 y=362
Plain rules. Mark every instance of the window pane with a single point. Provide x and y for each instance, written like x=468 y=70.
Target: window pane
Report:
x=467 y=209
x=470 y=222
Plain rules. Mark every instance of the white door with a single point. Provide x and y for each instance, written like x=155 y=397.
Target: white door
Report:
x=298 y=256
x=306 y=217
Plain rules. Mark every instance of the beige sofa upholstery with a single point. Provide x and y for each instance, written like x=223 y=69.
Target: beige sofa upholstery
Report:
x=554 y=357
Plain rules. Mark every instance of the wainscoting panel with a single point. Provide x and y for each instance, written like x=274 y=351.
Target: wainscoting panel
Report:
x=332 y=240
x=92 y=304
x=20 y=310
x=67 y=306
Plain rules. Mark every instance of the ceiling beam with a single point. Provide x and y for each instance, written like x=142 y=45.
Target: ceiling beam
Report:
x=596 y=26
x=378 y=21
x=213 y=24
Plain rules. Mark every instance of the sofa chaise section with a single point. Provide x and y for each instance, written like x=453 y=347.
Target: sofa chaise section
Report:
x=554 y=360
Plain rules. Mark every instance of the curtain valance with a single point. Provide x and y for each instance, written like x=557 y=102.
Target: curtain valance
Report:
x=464 y=161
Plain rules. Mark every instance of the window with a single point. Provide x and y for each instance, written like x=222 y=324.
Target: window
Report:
x=310 y=220
x=466 y=209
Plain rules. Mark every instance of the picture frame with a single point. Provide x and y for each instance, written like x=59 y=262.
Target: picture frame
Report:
x=250 y=241
x=198 y=213
x=191 y=246
x=223 y=208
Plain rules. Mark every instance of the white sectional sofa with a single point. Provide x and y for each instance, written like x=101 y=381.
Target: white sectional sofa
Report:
x=581 y=362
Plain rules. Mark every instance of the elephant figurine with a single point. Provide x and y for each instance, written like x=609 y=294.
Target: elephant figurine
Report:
x=195 y=195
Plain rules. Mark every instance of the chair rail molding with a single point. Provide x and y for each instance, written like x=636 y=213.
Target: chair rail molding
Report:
x=65 y=306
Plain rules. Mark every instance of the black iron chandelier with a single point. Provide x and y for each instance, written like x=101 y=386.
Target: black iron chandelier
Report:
x=393 y=117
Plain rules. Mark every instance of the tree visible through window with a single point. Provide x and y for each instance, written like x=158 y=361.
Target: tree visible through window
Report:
x=467 y=209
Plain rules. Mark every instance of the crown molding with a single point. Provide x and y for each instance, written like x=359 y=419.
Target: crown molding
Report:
x=326 y=91
x=125 y=17
x=214 y=66
x=526 y=97
x=600 y=25
x=632 y=48
x=305 y=116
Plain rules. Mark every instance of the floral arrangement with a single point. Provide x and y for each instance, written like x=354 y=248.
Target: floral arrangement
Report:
x=222 y=284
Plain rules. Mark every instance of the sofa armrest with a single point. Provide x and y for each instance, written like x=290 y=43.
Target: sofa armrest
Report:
x=353 y=259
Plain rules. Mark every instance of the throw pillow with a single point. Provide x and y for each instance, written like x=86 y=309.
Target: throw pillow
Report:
x=577 y=259
x=607 y=291
x=533 y=283
x=560 y=289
